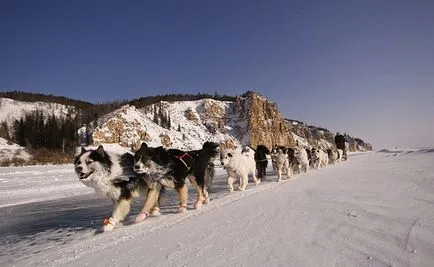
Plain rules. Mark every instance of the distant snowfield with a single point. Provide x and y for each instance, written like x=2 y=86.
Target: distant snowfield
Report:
x=376 y=209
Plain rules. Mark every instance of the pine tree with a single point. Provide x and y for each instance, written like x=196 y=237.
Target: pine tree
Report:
x=4 y=130
x=156 y=119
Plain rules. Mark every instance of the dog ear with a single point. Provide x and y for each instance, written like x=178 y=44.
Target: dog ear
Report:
x=143 y=146
x=83 y=150
x=100 y=151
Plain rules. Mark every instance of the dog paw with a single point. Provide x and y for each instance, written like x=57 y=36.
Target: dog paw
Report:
x=206 y=201
x=257 y=182
x=242 y=188
x=182 y=209
x=198 y=204
x=141 y=217
x=108 y=228
x=231 y=189
x=109 y=224
x=279 y=180
x=155 y=212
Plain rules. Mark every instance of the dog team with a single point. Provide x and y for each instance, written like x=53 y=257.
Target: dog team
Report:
x=152 y=170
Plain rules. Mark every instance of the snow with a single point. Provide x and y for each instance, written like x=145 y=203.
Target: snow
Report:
x=375 y=209
x=12 y=110
x=10 y=150
x=138 y=121
x=301 y=141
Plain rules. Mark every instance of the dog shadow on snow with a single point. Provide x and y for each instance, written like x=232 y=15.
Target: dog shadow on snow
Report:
x=73 y=214
x=62 y=218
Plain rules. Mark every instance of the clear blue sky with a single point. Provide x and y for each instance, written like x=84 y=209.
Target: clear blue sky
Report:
x=364 y=67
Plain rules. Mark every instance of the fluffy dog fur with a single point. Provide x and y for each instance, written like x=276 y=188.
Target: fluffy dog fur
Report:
x=241 y=165
x=112 y=176
x=332 y=154
x=280 y=157
x=170 y=168
x=320 y=158
x=302 y=159
x=335 y=155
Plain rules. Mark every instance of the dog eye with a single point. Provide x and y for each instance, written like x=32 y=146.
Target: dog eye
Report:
x=89 y=161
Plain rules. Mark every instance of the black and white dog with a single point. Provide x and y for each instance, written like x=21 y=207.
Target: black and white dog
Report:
x=170 y=168
x=112 y=176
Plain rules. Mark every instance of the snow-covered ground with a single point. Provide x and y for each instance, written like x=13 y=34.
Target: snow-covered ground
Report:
x=375 y=209
x=10 y=150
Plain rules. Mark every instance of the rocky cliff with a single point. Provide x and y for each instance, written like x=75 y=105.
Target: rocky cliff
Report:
x=262 y=122
x=250 y=120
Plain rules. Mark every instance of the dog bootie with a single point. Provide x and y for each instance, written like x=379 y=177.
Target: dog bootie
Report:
x=206 y=201
x=155 y=212
x=200 y=201
x=141 y=217
x=109 y=224
x=182 y=208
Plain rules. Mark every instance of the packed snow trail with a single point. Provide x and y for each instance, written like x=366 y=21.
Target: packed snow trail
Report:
x=376 y=209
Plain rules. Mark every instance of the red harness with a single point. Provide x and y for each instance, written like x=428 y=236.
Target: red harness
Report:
x=183 y=155
x=180 y=157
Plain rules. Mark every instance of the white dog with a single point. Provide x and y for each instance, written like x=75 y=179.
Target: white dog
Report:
x=302 y=158
x=239 y=164
x=320 y=158
x=280 y=157
x=333 y=156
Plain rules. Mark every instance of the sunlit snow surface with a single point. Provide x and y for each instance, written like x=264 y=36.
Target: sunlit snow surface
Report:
x=375 y=209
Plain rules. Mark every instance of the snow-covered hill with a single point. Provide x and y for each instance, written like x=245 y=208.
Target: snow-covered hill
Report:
x=251 y=120
x=11 y=110
x=192 y=123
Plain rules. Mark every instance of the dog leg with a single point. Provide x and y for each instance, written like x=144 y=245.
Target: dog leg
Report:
x=209 y=176
x=183 y=197
x=203 y=198
x=206 y=195
x=255 y=179
x=120 y=211
x=155 y=211
x=243 y=182
x=231 y=184
x=201 y=195
x=150 y=203
x=291 y=174
x=279 y=175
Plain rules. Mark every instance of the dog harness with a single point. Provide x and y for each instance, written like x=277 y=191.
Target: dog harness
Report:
x=180 y=157
x=108 y=221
